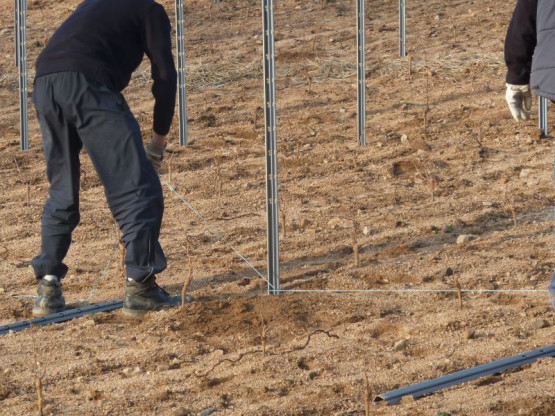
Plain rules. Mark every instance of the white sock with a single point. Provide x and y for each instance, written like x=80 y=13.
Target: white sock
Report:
x=50 y=278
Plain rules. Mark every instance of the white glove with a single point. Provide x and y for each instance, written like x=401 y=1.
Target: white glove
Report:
x=519 y=99
x=155 y=153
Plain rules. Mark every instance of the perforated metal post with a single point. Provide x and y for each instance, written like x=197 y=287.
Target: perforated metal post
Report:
x=544 y=128
x=16 y=31
x=270 y=133
x=361 y=75
x=402 y=28
x=21 y=47
x=181 y=92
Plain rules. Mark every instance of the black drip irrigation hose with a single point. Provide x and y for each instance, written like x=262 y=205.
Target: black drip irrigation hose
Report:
x=62 y=316
x=426 y=387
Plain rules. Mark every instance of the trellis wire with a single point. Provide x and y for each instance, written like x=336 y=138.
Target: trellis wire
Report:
x=21 y=56
x=270 y=133
x=361 y=75
x=402 y=28
x=345 y=291
x=514 y=291
x=543 y=116
x=181 y=89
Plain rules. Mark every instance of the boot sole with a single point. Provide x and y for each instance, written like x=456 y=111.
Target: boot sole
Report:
x=140 y=313
x=39 y=312
x=135 y=313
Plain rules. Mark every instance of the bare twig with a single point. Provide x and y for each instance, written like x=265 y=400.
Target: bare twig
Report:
x=264 y=328
x=187 y=283
x=17 y=165
x=355 y=240
x=28 y=194
x=248 y=214
x=226 y=360
x=367 y=391
x=302 y=347
x=257 y=351
x=513 y=209
x=37 y=378
x=219 y=182
x=459 y=291
x=309 y=83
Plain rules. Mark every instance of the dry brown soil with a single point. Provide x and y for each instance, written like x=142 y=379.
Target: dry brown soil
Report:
x=443 y=158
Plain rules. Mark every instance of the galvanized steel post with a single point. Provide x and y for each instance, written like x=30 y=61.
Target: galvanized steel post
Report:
x=543 y=119
x=21 y=48
x=402 y=28
x=361 y=75
x=270 y=133
x=181 y=92
x=16 y=30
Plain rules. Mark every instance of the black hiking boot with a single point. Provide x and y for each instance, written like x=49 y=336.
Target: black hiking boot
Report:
x=50 y=298
x=142 y=297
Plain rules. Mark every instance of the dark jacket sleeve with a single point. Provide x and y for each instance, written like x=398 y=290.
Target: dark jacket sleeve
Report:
x=521 y=42
x=158 y=48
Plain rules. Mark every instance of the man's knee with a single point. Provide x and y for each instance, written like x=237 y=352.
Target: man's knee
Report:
x=61 y=213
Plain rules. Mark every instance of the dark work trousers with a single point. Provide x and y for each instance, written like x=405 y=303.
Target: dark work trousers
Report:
x=74 y=112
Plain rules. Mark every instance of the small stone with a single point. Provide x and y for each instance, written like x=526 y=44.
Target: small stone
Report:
x=448 y=272
x=409 y=398
x=334 y=223
x=465 y=238
x=93 y=395
x=541 y=323
x=139 y=370
x=366 y=230
x=404 y=138
x=379 y=144
x=162 y=367
x=487 y=203
x=342 y=110
x=305 y=222
x=127 y=370
x=182 y=411
x=207 y=412
x=400 y=345
x=468 y=334
x=89 y=323
x=524 y=173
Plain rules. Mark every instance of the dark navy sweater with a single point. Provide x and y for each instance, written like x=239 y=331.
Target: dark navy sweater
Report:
x=520 y=42
x=106 y=40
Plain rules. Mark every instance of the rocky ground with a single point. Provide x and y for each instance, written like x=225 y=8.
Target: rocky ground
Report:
x=444 y=160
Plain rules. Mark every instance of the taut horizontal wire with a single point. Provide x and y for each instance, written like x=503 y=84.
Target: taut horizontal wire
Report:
x=515 y=291
x=221 y=237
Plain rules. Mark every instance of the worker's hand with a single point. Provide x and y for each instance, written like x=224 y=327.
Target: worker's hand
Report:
x=155 y=151
x=519 y=99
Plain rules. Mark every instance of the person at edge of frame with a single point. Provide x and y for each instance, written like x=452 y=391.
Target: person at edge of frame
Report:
x=77 y=94
x=530 y=60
